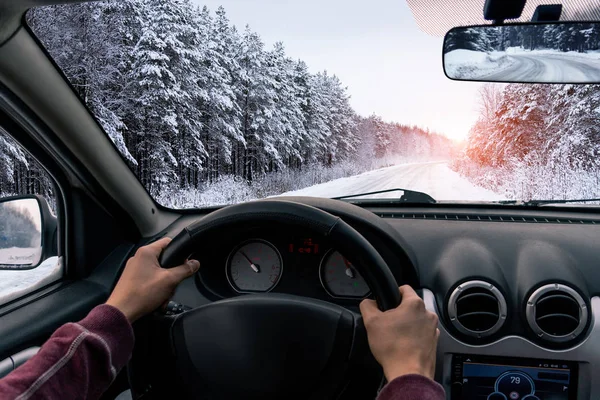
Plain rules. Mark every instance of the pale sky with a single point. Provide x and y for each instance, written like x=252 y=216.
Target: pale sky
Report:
x=390 y=66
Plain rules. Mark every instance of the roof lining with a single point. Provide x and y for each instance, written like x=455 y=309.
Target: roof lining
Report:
x=436 y=17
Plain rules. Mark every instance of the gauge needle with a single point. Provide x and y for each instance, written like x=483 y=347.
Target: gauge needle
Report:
x=349 y=270
x=254 y=267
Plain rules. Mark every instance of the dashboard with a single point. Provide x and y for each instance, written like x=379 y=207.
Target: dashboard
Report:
x=516 y=290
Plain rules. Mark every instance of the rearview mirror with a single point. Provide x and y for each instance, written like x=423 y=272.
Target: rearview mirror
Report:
x=561 y=52
x=27 y=228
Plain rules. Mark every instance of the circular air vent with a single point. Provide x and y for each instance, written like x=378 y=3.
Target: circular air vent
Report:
x=556 y=313
x=477 y=308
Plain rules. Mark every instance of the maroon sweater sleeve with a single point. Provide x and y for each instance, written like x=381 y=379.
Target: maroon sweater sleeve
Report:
x=412 y=387
x=79 y=361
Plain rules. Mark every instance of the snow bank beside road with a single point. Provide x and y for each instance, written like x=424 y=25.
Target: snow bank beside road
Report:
x=15 y=283
x=593 y=55
x=469 y=64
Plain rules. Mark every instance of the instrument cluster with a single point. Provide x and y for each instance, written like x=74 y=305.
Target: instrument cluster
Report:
x=302 y=265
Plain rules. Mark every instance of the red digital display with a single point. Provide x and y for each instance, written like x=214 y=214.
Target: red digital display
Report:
x=305 y=246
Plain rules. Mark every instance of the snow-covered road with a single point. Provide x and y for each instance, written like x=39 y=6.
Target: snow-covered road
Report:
x=548 y=68
x=433 y=178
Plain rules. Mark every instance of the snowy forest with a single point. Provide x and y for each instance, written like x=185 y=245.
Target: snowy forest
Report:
x=20 y=173
x=205 y=113
x=580 y=37
x=536 y=142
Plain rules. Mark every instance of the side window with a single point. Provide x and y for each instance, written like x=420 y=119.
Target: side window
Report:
x=28 y=224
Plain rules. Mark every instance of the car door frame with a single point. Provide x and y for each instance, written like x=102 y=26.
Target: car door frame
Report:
x=95 y=238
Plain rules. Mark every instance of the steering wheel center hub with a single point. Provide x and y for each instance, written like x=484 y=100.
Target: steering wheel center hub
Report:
x=260 y=346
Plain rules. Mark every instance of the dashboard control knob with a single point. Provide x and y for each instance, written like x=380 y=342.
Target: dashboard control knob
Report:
x=174 y=308
x=456 y=390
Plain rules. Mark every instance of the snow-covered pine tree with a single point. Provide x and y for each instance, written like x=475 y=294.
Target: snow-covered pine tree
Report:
x=157 y=95
x=187 y=99
x=221 y=113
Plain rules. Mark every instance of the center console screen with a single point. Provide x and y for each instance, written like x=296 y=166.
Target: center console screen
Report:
x=502 y=378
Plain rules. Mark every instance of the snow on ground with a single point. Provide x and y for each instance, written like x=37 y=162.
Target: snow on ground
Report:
x=433 y=178
x=15 y=283
x=550 y=66
x=469 y=64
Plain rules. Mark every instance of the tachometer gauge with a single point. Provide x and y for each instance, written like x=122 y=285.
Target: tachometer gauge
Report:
x=340 y=278
x=254 y=266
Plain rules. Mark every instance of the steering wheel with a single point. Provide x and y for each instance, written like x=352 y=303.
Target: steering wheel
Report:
x=263 y=346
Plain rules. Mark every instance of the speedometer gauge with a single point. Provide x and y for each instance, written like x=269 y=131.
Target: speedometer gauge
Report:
x=340 y=278
x=254 y=266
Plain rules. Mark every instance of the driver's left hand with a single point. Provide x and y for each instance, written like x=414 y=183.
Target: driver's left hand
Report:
x=144 y=286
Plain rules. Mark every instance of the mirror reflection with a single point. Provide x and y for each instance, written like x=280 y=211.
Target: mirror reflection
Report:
x=20 y=233
x=545 y=53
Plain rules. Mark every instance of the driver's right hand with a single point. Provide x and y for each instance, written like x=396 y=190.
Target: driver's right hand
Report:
x=403 y=340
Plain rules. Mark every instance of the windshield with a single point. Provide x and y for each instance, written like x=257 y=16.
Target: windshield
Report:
x=213 y=105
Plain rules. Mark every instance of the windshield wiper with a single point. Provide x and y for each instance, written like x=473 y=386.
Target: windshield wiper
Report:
x=409 y=196
x=535 y=203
